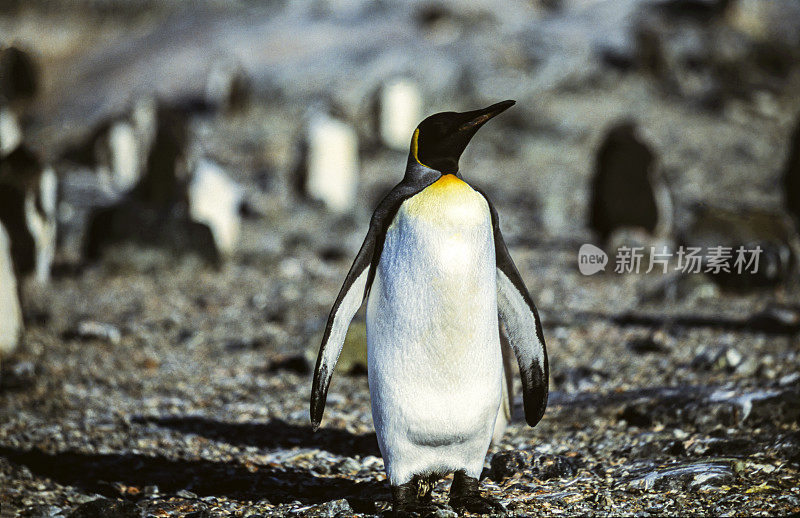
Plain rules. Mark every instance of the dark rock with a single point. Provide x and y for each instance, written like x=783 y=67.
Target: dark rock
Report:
x=505 y=464
x=716 y=446
x=364 y=505
x=622 y=190
x=544 y=467
x=551 y=5
x=554 y=466
x=700 y=10
x=331 y=509
x=635 y=416
x=298 y=364
x=708 y=358
x=332 y=254
x=618 y=59
x=788 y=446
x=776 y=319
x=37 y=316
x=185 y=493
x=579 y=378
x=780 y=407
x=444 y=513
x=652 y=343
x=105 y=508
x=18 y=376
x=246 y=344
x=41 y=511
x=249 y=211
x=675 y=448
x=773 y=320
x=681 y=476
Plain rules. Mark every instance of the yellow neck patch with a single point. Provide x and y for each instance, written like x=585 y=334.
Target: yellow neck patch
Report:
x=448 y=198
x=447 y=181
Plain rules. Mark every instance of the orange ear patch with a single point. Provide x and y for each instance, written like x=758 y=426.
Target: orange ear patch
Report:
x=415 y=146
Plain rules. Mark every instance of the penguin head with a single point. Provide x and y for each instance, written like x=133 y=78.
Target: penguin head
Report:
x=440 y=139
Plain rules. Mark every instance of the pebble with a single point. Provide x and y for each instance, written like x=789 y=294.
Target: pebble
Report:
x=789 y=379
x=106 y=508
x=683 y=476
x=91 y=330
x=331 y=509
x=508 y=463
x=42 y=511
x=348 y=466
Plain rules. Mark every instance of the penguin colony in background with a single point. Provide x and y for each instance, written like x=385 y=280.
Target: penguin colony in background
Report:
x=162 y=196
x=441 y=288
x=27 y=197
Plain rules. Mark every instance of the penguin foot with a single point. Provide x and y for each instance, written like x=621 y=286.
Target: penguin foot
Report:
x=414 y=498
x=465 y=496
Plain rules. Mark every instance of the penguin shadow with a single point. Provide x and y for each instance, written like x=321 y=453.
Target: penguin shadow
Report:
x=274 y=434
x=106 y=474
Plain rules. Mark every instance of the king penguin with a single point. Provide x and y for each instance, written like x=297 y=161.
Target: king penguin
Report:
x=440 y=287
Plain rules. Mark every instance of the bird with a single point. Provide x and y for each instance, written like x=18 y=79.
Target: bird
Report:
x=624 y=186
x=10 y=310
x=441 y=289
x=28 y=192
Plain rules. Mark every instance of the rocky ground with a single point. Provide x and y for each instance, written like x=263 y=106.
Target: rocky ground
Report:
x=150 y=384
x=182 y=399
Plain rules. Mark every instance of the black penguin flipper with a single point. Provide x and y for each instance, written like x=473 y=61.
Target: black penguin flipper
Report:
x=351 y=296
x=356 y=288
x=523 y=327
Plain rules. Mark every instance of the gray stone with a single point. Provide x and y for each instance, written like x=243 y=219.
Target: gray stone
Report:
x=331 y=509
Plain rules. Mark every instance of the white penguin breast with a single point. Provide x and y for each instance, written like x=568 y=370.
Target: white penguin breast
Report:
x=432 y=334
x=432 y=327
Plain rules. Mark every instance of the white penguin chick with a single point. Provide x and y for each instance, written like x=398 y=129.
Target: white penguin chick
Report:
x=437 y=275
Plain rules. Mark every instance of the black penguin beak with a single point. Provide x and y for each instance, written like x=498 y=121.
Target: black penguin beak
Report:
x=478 y=118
